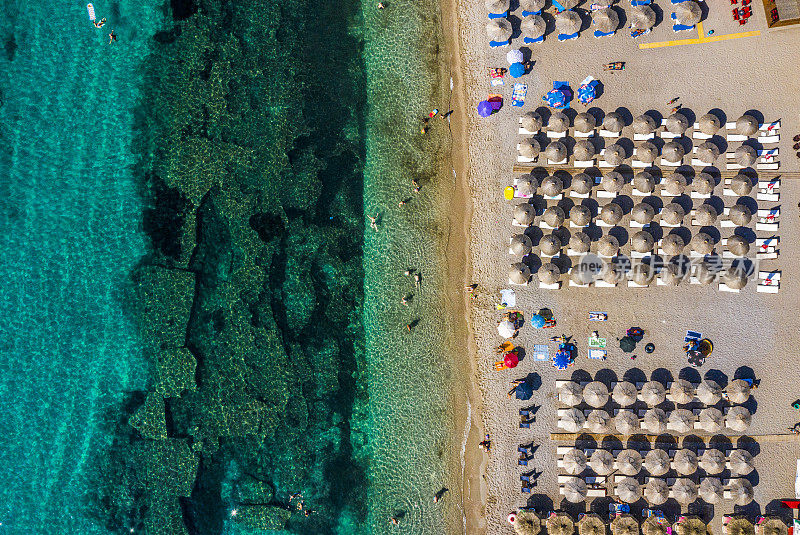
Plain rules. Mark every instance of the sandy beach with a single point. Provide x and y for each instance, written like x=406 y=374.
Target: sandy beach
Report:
x=752 y=332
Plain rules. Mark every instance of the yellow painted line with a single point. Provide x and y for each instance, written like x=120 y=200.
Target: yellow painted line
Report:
x=699 y=40
x=700 y=32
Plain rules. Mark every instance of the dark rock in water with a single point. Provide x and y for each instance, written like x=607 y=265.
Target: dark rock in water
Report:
x=11 y=47
x=164 y=222
x=183 y=9
x=268 y=226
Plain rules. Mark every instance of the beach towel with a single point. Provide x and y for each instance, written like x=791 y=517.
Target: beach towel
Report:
x=597 y=342
x=509 y=297
x=597 y=354
x=541 y=352
x=692 y=336
x=519 y=94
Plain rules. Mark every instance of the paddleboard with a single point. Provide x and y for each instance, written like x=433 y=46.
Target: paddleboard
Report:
x=90 y=9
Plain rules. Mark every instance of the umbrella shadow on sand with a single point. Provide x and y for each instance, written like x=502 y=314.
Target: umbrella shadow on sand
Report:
x=717 y=376
x=662 y=375
x=635 y=375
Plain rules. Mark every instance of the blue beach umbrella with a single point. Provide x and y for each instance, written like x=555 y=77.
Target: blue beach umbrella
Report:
x=524 y=391
x=555 y=98
x=587 y=92
x=537 y=321
x=562 y=360
x=484 y=108
x=516 y=70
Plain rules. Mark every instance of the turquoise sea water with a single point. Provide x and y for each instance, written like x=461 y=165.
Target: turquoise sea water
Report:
x=185 y=270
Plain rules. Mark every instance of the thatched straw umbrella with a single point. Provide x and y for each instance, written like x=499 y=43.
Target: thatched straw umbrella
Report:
x=602 y=462
x=521 y=244
x=685 y=462
x=608 y=245
x=738 y=245
x=643 y=274
x=580 y=242
x=647 y=151
x=582 y=183
x=625 y=524
x=580 y=215
x=614 y=154
x=740 y=215
x=705 y=273
x=611 y=213
x=711 y=419
x=572 y=421
x=532 y=5
x=554 y=216
x=613 y=122
x=595 y=394
x=703 y=183
x=612 y=273
x=584 y=150
x=533 y=26
x=673 y=214
x=529 y=148
x=746 y=125
x=582 y=274
x=599 y=421
x=612 y=182
x=711 y=489
x=774 y=526
x=735 y=277
x=628 y=490
x=656 y=492
x=497 y=6
x=673 y=151
x=684 y=490
x=653 y=393
x=524 y=214
x=691 y=526
x=556 y=151
x=688 y=13
x=740 y=526
x=741 y=185
x=741 y=462
x=741 y=491
x=681 y=420
x=702 y=243
x=712 y=461
x=568 y=22
x=625 y=393
x=644 y=124
x=642 y=18
x=605 y=19
x=706 y=215
x=626 y=422
x=745 y=155
x=559 y=524
x=708 y=152
x=709 y=124
x=552 y=186
x=673 y=245
x=532 y=121
x=653 y=525
x=549 y=274
x=527 y=523
x=585 y=122
x=571 y=393
x=738 y=391
x=738 y=419
x=655 y=421
x=519 y=273
x=657 y=462
x=672 y=275
x=526 y=186
x=682 y=391
x=675 y=184
x=558 y=122
x=591 y=524
x=644 y=182
x=575 y=461
x=677 y=123
x=499 y=29
x=642 y=242
x=629 y=462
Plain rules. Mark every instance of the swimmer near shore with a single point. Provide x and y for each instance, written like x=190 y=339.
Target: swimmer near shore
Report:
x=439 y=495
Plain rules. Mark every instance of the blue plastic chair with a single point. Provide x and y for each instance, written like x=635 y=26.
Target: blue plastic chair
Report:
x=526 y=13
x=522 y=462
x=567 y=36
x=530 y=40
x=598 y=33
x=498 y=15
x=640 y=2
x=495 y=44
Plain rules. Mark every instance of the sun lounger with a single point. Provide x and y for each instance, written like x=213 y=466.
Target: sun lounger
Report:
x=666 y=134
x=670 y=164
x=561 y=162
x=597 y=354
x=769 y=139
x=603 y=194
x=640 y=3
x=556 y=135
x=596 y=493
x=632 y=284
x=543 y=224
x=681 y=27
x=554 y=286
x=497 y=44
x=607 y=133
x=516 y=284
x=603 y=284
x=584 y=164
x=644 y=137
x=725 y=288
x=554 y=198
x=526 y=13
x=772 y=227
x=573 y=283
x=736 y=137
x=639 y=164
x=770 y=127
x=768 y=166
x=584 y=134
x=567 y=36
x=695 y=195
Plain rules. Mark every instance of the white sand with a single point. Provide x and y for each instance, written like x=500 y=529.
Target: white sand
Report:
x=748 y=329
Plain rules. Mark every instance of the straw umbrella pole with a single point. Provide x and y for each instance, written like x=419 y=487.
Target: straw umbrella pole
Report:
x=711 y=490
x=741 y=462
x=580 y=215
x=746 y=125
x=741 y=491
x=626 y=422
x=774 y=526
x=738 y=391
x=624 y=393
x=628 y=490
x=582 y=183
x=684 y=490
x=629 y=462
x=681 y=391
x=657 y=462
x=653 y=525
x=711 y=419
x=595 y=394
x=738 y=419
x=656 y=492
x=585 y=122
x=741 y=185
x=653 y=393
x=712 y=461
x=644 y=124
x=655 y=421
x=598 y=421
x=573 y=421
x=571 y=394
x=524 y=214
x=532 y=121
x=709 y=124
x=740 y=215
x=602 y=462
x=575 y=461
x=575 y=490
x=691 y=526
x=685 y=462
x=521 y=244
x=681 y=420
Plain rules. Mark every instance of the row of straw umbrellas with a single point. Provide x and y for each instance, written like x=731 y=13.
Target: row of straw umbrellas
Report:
x=674 y=184
x=647 y=152
x=657 y=462
x=625 y=393
x=644 y=124
x=643 y=274
x=656 y=421
x=657 y=491
x=528 y=523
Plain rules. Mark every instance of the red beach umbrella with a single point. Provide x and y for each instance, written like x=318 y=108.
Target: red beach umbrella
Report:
x=511 y=360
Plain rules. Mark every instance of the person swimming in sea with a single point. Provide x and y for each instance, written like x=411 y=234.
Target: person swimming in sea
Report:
x=417 y=279
x=438 y=496
x=99 y=23
x=112 y=37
